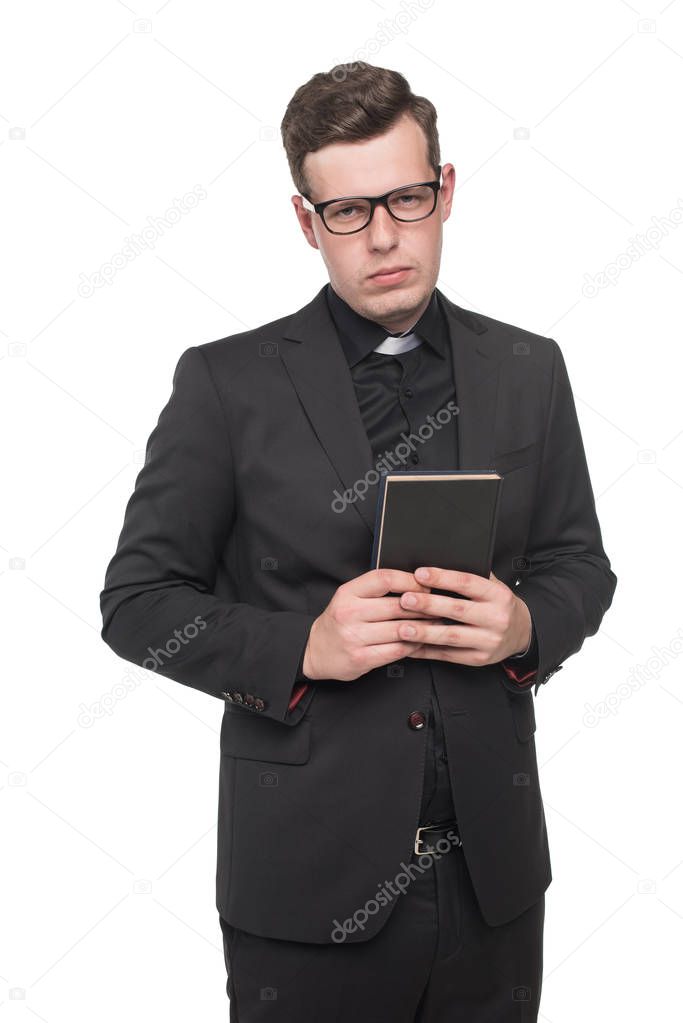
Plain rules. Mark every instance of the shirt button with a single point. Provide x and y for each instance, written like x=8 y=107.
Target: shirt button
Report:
x=408 y=392
x=416 y=720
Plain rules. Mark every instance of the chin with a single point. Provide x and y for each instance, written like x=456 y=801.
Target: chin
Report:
x=400 y=300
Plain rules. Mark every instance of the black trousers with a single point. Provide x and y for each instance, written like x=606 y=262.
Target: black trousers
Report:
x=435 y=961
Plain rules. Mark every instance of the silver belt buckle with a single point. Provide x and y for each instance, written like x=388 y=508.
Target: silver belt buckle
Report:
x=418 y=840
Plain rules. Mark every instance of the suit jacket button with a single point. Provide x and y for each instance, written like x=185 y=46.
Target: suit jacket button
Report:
x=237 y=697
x=249 y=700
x=227 y=696
x=416 y=719
x=259 y=704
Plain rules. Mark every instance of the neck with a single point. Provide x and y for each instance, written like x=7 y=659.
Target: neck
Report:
x=398 y=326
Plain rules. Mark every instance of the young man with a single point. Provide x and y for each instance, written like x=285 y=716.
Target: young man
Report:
x=354 y=717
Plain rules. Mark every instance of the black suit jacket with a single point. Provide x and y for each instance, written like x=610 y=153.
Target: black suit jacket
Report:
x=231 y=548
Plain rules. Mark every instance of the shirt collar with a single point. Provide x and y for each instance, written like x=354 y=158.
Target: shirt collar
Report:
x=359 y=336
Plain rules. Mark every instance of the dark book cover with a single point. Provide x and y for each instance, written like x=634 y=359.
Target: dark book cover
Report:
x=445 y=518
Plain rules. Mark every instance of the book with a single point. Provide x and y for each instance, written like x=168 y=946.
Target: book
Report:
x=444 y=518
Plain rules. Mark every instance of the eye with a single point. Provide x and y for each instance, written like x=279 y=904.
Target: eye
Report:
x=346 y=212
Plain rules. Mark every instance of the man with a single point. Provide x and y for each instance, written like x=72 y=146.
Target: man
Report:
x=382 y=848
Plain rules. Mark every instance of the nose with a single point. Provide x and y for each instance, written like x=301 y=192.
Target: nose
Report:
x=382 y=231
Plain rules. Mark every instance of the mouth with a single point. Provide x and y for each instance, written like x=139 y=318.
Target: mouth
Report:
x=391 y=275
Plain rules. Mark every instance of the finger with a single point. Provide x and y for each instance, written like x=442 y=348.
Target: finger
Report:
x=437 y=606
x=454 y=655
x=382 y=609
x=380 y=581
x=467 y=583
x=441 y=634
x=372 y=633
x=385 y=653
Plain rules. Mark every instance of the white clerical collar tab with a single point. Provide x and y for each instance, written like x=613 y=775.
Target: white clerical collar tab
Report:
x=397 y=345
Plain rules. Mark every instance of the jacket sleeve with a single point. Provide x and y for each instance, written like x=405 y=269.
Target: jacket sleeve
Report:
x=158 y=606
x=568 y=583
x=522 y=668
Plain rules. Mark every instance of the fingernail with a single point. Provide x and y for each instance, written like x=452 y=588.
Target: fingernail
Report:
x=422 y=574
x=409 y=600
x=408 y=630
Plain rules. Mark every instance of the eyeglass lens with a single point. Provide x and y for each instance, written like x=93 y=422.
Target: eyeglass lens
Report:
x=411 y=203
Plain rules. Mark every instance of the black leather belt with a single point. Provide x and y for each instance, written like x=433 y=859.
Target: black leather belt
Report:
x=437 y=838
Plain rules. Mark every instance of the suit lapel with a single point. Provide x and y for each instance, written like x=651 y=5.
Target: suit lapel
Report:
x=476 y=367
x=319 y=371
x=320 y=374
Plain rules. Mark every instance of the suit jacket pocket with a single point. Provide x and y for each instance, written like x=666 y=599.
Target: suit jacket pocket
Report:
x=524 y=716
x=249 y=737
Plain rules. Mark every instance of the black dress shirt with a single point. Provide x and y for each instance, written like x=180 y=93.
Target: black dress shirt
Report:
x=396 y=395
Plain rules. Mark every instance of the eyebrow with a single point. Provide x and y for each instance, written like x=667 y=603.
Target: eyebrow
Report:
x=375 y=195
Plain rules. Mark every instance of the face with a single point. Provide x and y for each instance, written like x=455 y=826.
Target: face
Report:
x=373 y=167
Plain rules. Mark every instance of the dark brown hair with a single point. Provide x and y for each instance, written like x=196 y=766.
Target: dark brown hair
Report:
x=349 y=103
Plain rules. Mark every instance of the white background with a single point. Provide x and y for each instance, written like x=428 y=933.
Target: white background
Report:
x=108 y=847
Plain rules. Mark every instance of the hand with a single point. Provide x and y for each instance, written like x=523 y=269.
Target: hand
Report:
x=358 y=630
x=496 y=623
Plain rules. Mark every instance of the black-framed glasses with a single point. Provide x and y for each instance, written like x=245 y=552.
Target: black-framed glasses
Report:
x=353 y=213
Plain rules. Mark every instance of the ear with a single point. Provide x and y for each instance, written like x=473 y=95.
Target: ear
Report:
x=447 y=189
x=305 y=218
